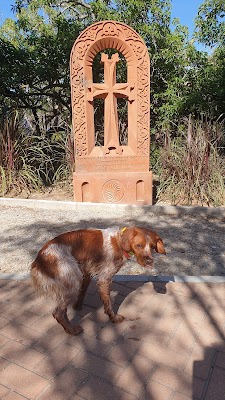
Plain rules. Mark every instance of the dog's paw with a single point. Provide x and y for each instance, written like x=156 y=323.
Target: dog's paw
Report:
x=117 y=319
x=77 y=329
x=74 y=330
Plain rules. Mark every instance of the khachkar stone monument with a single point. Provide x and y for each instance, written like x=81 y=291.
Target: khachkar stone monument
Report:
x=111 y=173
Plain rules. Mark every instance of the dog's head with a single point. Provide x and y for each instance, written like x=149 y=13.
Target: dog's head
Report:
x=141 y=242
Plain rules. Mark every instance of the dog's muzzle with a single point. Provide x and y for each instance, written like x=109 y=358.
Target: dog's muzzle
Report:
x=148 y=262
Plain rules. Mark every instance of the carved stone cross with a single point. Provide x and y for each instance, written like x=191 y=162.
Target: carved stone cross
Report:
x=110 y=91
x=112 y=173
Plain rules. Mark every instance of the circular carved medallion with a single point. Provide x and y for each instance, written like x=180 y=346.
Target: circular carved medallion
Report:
x=113 y=191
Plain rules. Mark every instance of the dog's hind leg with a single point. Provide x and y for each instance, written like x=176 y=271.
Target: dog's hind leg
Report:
x=85 y=283
x=60 y=314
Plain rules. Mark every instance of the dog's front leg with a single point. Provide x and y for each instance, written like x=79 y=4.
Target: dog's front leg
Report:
x=104 y=291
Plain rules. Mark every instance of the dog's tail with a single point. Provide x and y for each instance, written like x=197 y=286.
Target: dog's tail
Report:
x=58 y=286
x=44 y=285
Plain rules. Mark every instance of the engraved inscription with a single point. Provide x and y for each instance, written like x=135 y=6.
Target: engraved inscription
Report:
x=106 y=164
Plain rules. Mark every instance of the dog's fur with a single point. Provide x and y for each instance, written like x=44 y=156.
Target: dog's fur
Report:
x=65 y=265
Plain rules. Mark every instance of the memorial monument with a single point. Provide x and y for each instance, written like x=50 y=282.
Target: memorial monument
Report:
x=112 y=172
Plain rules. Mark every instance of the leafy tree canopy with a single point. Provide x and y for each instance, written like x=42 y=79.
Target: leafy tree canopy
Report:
x=34 y=69
x=210 y=23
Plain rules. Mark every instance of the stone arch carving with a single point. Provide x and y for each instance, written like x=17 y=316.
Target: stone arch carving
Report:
x=118 y=36
x=102 y=44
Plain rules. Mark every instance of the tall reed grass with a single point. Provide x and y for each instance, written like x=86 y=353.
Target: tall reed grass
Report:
x=191 y=169
x=29 y=161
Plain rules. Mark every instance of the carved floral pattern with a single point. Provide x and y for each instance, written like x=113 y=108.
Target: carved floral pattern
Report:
x=109 y=29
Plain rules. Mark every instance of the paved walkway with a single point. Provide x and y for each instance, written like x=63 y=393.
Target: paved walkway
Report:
x=171 y=346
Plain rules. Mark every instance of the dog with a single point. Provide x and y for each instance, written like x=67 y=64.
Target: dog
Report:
x=65 y=265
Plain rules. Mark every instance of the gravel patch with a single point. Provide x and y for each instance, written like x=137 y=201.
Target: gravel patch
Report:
x=194 y=238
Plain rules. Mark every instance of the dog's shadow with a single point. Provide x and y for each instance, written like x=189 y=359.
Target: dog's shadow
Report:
x=160 y=287
x=119 y=292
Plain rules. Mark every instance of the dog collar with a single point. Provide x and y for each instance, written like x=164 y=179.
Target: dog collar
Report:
x=123 y=229
x=130 y=254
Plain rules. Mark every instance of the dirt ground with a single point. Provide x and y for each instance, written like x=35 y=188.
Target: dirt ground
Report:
x=60 y=193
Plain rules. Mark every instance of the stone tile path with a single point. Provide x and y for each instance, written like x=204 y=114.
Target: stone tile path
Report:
x=171 y=346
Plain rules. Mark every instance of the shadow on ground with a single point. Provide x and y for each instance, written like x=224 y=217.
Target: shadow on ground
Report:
x=170 y=345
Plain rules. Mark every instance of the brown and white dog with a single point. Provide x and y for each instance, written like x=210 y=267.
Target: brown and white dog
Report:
x=65 y=265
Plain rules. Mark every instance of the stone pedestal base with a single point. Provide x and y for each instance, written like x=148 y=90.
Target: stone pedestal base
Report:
x=120 y=187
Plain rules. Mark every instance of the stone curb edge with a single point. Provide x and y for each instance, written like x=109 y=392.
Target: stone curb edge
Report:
x=218 y=212
x=140 y=278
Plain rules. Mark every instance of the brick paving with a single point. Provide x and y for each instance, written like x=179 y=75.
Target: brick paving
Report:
x=170 y=347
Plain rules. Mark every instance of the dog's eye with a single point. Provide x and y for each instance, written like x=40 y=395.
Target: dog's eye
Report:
x=139 y=246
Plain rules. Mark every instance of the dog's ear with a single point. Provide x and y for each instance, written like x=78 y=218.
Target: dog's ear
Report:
x=160 y=246
x=127 y=235
x=156 y=242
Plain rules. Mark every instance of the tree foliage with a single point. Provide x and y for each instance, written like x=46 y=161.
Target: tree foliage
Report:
x=210 y=23
x=36 y=48
x=34 y=68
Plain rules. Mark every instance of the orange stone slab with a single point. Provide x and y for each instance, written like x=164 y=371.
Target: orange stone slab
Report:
x=124 y=188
